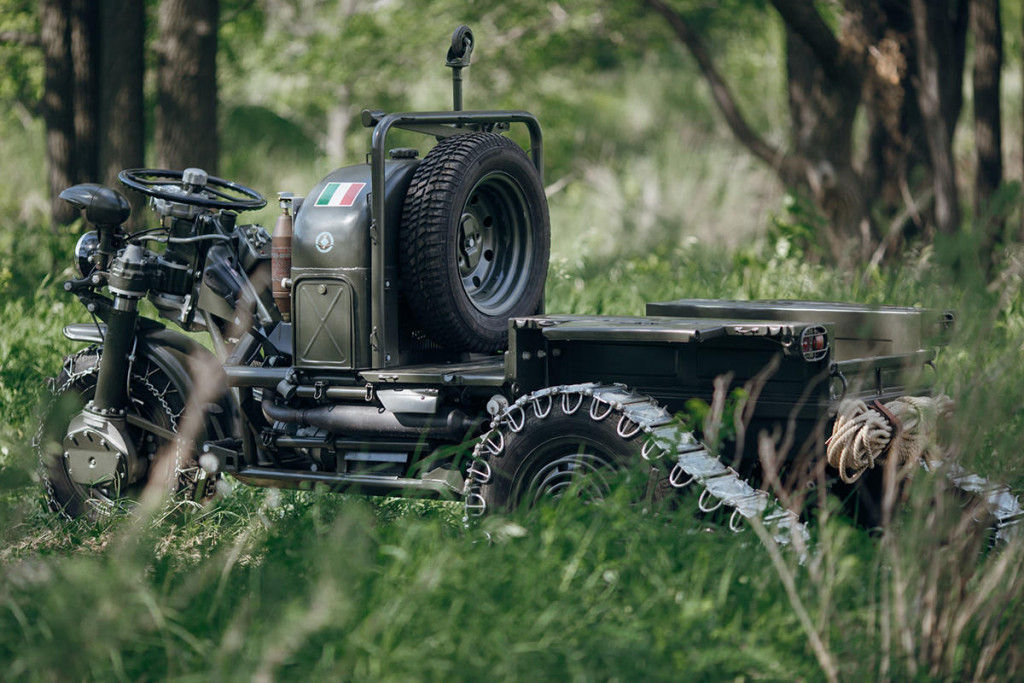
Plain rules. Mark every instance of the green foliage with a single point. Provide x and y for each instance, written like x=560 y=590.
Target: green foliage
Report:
x=797 y=232
x=716 y=424
x=305 y=584
x=21 y=67
x=650 y=202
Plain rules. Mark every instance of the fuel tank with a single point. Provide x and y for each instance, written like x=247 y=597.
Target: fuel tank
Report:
x=330 y=271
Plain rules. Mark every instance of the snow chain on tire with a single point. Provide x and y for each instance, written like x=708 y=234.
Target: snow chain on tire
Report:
x=664 y=440
x=999 y=499
x=188 y=479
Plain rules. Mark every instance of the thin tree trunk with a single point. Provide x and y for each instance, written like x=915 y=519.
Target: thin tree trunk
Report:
x=988 y=65
x=121 y=114
x=57 y=104
x=186 y=121
x=720 y=91
x=930 y=44
x=338 y=119
x=83 y=26
x=953 y=27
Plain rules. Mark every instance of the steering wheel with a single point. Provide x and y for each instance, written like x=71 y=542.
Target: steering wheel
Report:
x=192 y=186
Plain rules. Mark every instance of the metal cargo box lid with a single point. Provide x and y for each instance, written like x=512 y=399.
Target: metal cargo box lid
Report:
x=649 y=329
x=859 y=330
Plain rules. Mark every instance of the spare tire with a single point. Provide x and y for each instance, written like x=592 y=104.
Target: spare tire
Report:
x=474 y=241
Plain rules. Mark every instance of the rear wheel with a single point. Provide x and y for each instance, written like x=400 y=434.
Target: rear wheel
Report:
x=475 y=238
x=155 y=400
x=572 y=439
x=555 y=454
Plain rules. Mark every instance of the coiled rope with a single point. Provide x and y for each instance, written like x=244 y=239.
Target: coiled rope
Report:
x=865 y=435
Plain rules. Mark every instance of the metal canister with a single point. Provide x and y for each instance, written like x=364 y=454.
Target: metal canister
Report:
x=281 y=256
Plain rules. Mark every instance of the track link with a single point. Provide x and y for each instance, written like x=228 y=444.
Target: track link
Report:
x=664 y=441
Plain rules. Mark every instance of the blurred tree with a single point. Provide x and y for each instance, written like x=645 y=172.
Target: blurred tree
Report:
x=121 y=119
x=58 y=103
x=986 y=26
x=186 y=114
x=871 y=55
x=939 y=62
x=318 y=63
x=85 y=44
x=91 y=100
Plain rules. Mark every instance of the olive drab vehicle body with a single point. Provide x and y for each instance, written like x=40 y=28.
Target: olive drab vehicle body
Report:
x=390 y=338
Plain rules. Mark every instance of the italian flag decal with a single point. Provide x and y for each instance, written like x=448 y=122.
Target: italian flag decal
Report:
x=339 y=194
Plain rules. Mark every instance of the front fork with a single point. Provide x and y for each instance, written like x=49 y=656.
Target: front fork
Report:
x=112 y=382
x=98 y=450
x=128 y=281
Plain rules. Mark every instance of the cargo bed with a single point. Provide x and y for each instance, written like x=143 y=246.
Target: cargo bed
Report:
x=860 y=331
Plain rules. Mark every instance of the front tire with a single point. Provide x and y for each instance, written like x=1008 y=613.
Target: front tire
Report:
x=152 y=397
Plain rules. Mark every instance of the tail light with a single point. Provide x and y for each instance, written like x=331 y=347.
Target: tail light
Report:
x=814 y=343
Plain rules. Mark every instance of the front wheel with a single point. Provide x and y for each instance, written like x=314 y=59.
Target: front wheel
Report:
x=92 y=469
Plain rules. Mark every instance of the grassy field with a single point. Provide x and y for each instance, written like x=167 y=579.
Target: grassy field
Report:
x=267 y=585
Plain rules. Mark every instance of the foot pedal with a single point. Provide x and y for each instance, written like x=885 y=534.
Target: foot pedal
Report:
x=221 y=456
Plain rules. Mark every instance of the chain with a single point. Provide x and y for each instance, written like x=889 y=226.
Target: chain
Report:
x=1001 y=502
x=693 y=464
x=187 y=478
x=55 y=393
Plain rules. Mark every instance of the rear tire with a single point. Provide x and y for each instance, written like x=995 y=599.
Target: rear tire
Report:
x=474 y=241
x=558 y=453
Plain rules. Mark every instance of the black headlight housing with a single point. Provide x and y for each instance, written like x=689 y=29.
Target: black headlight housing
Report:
x=87 y=246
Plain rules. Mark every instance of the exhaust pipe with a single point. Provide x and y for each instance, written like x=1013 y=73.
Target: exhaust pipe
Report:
x=368 y=420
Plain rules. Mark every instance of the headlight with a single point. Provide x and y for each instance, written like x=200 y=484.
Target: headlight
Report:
x=84 y=250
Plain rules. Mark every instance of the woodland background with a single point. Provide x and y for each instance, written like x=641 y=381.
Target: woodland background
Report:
x=863 y=150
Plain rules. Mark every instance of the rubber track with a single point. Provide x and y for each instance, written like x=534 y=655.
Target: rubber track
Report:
x=692 y=464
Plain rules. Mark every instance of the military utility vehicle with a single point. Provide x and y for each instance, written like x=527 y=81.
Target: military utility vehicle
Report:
x=390 y=338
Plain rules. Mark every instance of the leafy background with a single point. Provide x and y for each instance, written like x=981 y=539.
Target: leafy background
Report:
x=651 y=199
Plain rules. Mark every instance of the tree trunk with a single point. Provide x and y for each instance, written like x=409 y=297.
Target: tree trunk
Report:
x=186 y=116
x=338 y=119
x=84 y=62
x=902 y=62
x=822 y=106
x=121 y=114
x=988 y=65
x=58 y=104
x=933 y=39
x=952 y=26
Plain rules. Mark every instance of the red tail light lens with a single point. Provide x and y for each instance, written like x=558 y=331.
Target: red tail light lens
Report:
x=814 y=343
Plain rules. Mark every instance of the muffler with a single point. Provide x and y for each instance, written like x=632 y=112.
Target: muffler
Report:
x=368 y=420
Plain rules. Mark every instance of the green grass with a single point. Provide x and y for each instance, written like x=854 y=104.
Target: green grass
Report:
x=294 y=585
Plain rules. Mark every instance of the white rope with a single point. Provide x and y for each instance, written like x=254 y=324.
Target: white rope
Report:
x=862 y=434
